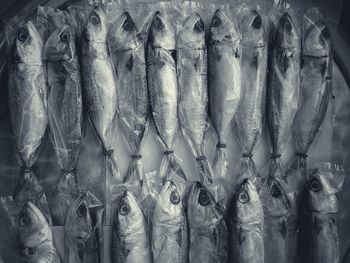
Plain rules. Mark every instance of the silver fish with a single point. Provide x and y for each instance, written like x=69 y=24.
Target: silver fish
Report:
x=64 y=112
x=169 y=231
x=284 y=84
x=250 y=114
x=316 y=74
x=99 y=83
x=224 y=82
x=80 y=239
x=35 y=237
x=280 y=229
x=127 y=50
x=192 y=79
x=246 y=220
x=28 y=109
x=163 y=90
x=207 y=227
x=130 y=242
x=318 y=230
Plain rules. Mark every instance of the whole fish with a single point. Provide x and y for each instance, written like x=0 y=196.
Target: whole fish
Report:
x=250 y=114
x=81 y=245
x=35 y=237
x=207 y=227
x=163 y=91
x=28 y=110
x=192 y=78
x=64 y=113
x=246 y=220
x=224 y=82
x=280 y=231
x=318 y=230
x=99 y=83
x=128 y=53
x=316 y=74
x=130 y=242
x=169 y=231
x=284 y=84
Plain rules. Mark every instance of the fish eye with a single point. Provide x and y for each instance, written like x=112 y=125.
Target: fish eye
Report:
x=23 y=35
x=315 y=185
x=243 y=197
x=128 y=24
x=199 y=26
x=275 y=191
x=29 y=251
x=257 y=22
x=175 y=197
x=216 y=22
x=24 y=221
x=94 y=19
x=82 y=211
x=124 y=209
x=64 y=37
x=203 y=198
x=158 y=24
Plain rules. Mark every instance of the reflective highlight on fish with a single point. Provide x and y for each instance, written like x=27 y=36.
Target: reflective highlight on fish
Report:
x=208 y=233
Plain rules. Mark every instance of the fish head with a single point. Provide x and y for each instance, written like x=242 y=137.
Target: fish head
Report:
x=202 y=208
x=274 y=199
x=60 y=45
x=124 y=34
x=161 y=33
x=252 y=28
x=96 y=29
x=222 y=29
x=33 y=229
x=78 y=221
x=316 y=38
x=129 y=216
x=287 y=36
x=192 y=34
x=28 y=46
x=321 y=197
x=247 y=203
x=169 y=205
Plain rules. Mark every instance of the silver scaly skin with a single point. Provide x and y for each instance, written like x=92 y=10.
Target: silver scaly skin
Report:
x=35 y=237
x=130 y=242
x=128 y=53
x=169 y=230
x=192 y=79
x=246 y=221
x=224 y=52
x=100 y=92
x=207 y=227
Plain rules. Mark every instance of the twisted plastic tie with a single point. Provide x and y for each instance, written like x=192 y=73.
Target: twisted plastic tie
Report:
x=168 y=152
x=67 y=171
x=108 y=153
x=247 y=155
x=201 y=158
x=275 y=155
x=26 y=169
x=302 y=155
x=136 y=156
x=221 y=145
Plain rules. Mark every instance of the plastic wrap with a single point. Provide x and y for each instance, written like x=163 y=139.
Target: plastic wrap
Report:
x=28 y=111
x=250 y=114
x=127 y=51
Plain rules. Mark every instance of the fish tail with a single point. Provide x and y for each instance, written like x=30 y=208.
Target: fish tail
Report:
x=170 y=167
x=205 y=170
x=135 y=169
x=220 y=164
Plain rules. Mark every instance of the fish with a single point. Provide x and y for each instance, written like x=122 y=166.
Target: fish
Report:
x=35 y=236
x=80 y=235
x=318 y=238
x=250 y=114
x=65 y=113
x=169 y=228
x=224 y=82
x=99 y=83
x=128 y=54
x=163 y=91
x=316 y=82
x=130 y=242
x=27 y=94
x=280 y=222
x=284 y=84
x=246 y=225
x=208 y=233
x=191 y=52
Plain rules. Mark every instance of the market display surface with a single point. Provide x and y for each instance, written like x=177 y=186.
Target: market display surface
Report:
x=173 y=132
